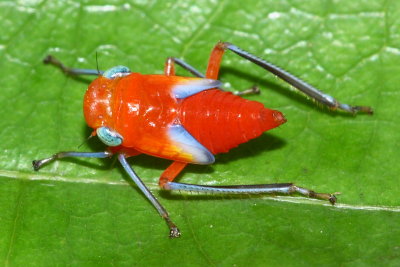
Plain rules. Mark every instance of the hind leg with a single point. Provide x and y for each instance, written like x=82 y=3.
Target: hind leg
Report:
x=214 y=64
x=171 y=173
x=167 y=177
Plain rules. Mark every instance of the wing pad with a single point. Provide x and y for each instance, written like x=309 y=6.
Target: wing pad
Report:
x=189 y=145
x=188 y=87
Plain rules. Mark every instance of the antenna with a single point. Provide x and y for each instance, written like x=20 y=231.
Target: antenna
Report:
x=86 y=140
x=97 y=65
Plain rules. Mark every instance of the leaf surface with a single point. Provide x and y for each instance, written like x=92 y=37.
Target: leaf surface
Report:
x=79 y=211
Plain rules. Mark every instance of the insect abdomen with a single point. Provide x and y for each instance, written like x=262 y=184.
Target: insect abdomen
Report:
x=220 y=120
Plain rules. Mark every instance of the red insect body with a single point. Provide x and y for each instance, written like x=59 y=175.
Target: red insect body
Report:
x=221 y=120
x=142 y=108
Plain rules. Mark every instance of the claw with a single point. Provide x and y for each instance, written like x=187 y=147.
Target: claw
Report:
x=174 y=232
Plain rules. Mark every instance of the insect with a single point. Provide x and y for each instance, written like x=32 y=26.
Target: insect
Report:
x=183 y=119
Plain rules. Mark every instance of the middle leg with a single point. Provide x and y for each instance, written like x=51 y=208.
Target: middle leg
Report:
x=169 y=70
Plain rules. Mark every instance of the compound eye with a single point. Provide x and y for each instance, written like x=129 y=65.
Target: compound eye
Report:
x=117 y=71
x=109 y=137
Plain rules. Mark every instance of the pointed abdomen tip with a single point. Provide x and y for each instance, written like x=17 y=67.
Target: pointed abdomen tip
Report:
x=271 y=119
x=278 y=117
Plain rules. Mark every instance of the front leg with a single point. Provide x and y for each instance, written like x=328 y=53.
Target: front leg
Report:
x=71 y=71
x=37 y=164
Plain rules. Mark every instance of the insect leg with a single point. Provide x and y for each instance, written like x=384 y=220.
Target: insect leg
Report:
x=309 y=90
x=171 y=173
x=254 y=90
x=37 y=164
x=286 y=188
x=170 y=67
x=170 y=70
x=173 y=230
x=70 y=71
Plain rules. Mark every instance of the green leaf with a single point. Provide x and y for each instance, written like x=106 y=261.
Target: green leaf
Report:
x=84 y=212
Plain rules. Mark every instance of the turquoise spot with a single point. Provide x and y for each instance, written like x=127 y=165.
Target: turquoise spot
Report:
x=109 y=137
x=117 y=71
